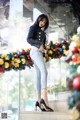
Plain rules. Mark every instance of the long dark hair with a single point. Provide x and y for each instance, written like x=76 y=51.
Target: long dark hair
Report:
x=41 y=17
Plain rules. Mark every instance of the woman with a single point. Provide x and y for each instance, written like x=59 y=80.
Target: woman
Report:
x=37 y=39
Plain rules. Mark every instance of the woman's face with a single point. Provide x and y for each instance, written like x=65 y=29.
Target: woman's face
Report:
x=42 y=22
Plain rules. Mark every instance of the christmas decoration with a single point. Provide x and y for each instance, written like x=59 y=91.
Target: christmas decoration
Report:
x=73 y=55
x=76 y=83
x=73 y=82
x=56 y=50
x=15 y=60
x=19 y=59
x=74 y=49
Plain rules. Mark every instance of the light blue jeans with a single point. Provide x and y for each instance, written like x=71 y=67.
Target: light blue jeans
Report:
x=37 y=58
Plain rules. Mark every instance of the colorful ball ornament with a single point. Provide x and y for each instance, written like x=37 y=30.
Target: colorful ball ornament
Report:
x=3 y=56
x=23 y=51
x=1 y=61
x=23 y=61
x=75 y=57
x=19 y=53
x=57 y=44
x=74 y=49
x=6 y=65
x=47 y=47
x=1 y=70
x=76 y=83
x=50 y=52
x=63 y=41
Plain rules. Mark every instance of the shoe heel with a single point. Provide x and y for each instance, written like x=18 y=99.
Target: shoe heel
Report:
x=35 y=108
x=38 y=105
x=46 y=107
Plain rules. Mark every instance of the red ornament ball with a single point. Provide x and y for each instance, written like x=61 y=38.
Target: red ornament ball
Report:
x=74 y=49
x=76 y=83
x=1 y=70
x=64 y=42
x=23 y=51
x=75 y=57
x=57 y=44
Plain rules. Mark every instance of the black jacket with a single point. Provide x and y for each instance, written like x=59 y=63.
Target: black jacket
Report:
x=36 y=36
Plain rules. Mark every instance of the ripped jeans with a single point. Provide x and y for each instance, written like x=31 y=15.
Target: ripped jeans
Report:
x=37 y=57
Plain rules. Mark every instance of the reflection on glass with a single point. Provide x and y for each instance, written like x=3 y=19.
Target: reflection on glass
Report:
x=9 y=92
x=27 y=90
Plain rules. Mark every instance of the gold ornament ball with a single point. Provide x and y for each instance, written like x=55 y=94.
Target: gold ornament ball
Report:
x=47 y=47
x=50 y=52
x=6 y=65
x=1 y=61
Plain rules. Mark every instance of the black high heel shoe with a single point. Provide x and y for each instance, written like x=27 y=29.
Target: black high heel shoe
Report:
x=48 y=109
x=38 y=105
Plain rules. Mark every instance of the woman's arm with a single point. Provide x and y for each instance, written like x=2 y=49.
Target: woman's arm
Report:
x=30 y=38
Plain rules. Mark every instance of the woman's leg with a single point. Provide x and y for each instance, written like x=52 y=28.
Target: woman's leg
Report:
x=43 y=71
x=44 y=96
x=37 y=57
x=38 y=83
x=34 y=56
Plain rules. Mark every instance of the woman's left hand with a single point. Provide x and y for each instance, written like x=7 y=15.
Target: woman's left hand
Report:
x=41 y=48
x=46 y=55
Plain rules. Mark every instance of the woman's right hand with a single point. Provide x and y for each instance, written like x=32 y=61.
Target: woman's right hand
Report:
x=41 y=48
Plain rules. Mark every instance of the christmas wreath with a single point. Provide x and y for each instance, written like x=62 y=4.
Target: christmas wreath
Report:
x=20 y=59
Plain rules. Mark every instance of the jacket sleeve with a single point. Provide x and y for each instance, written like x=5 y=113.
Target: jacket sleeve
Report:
x=30 y=38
